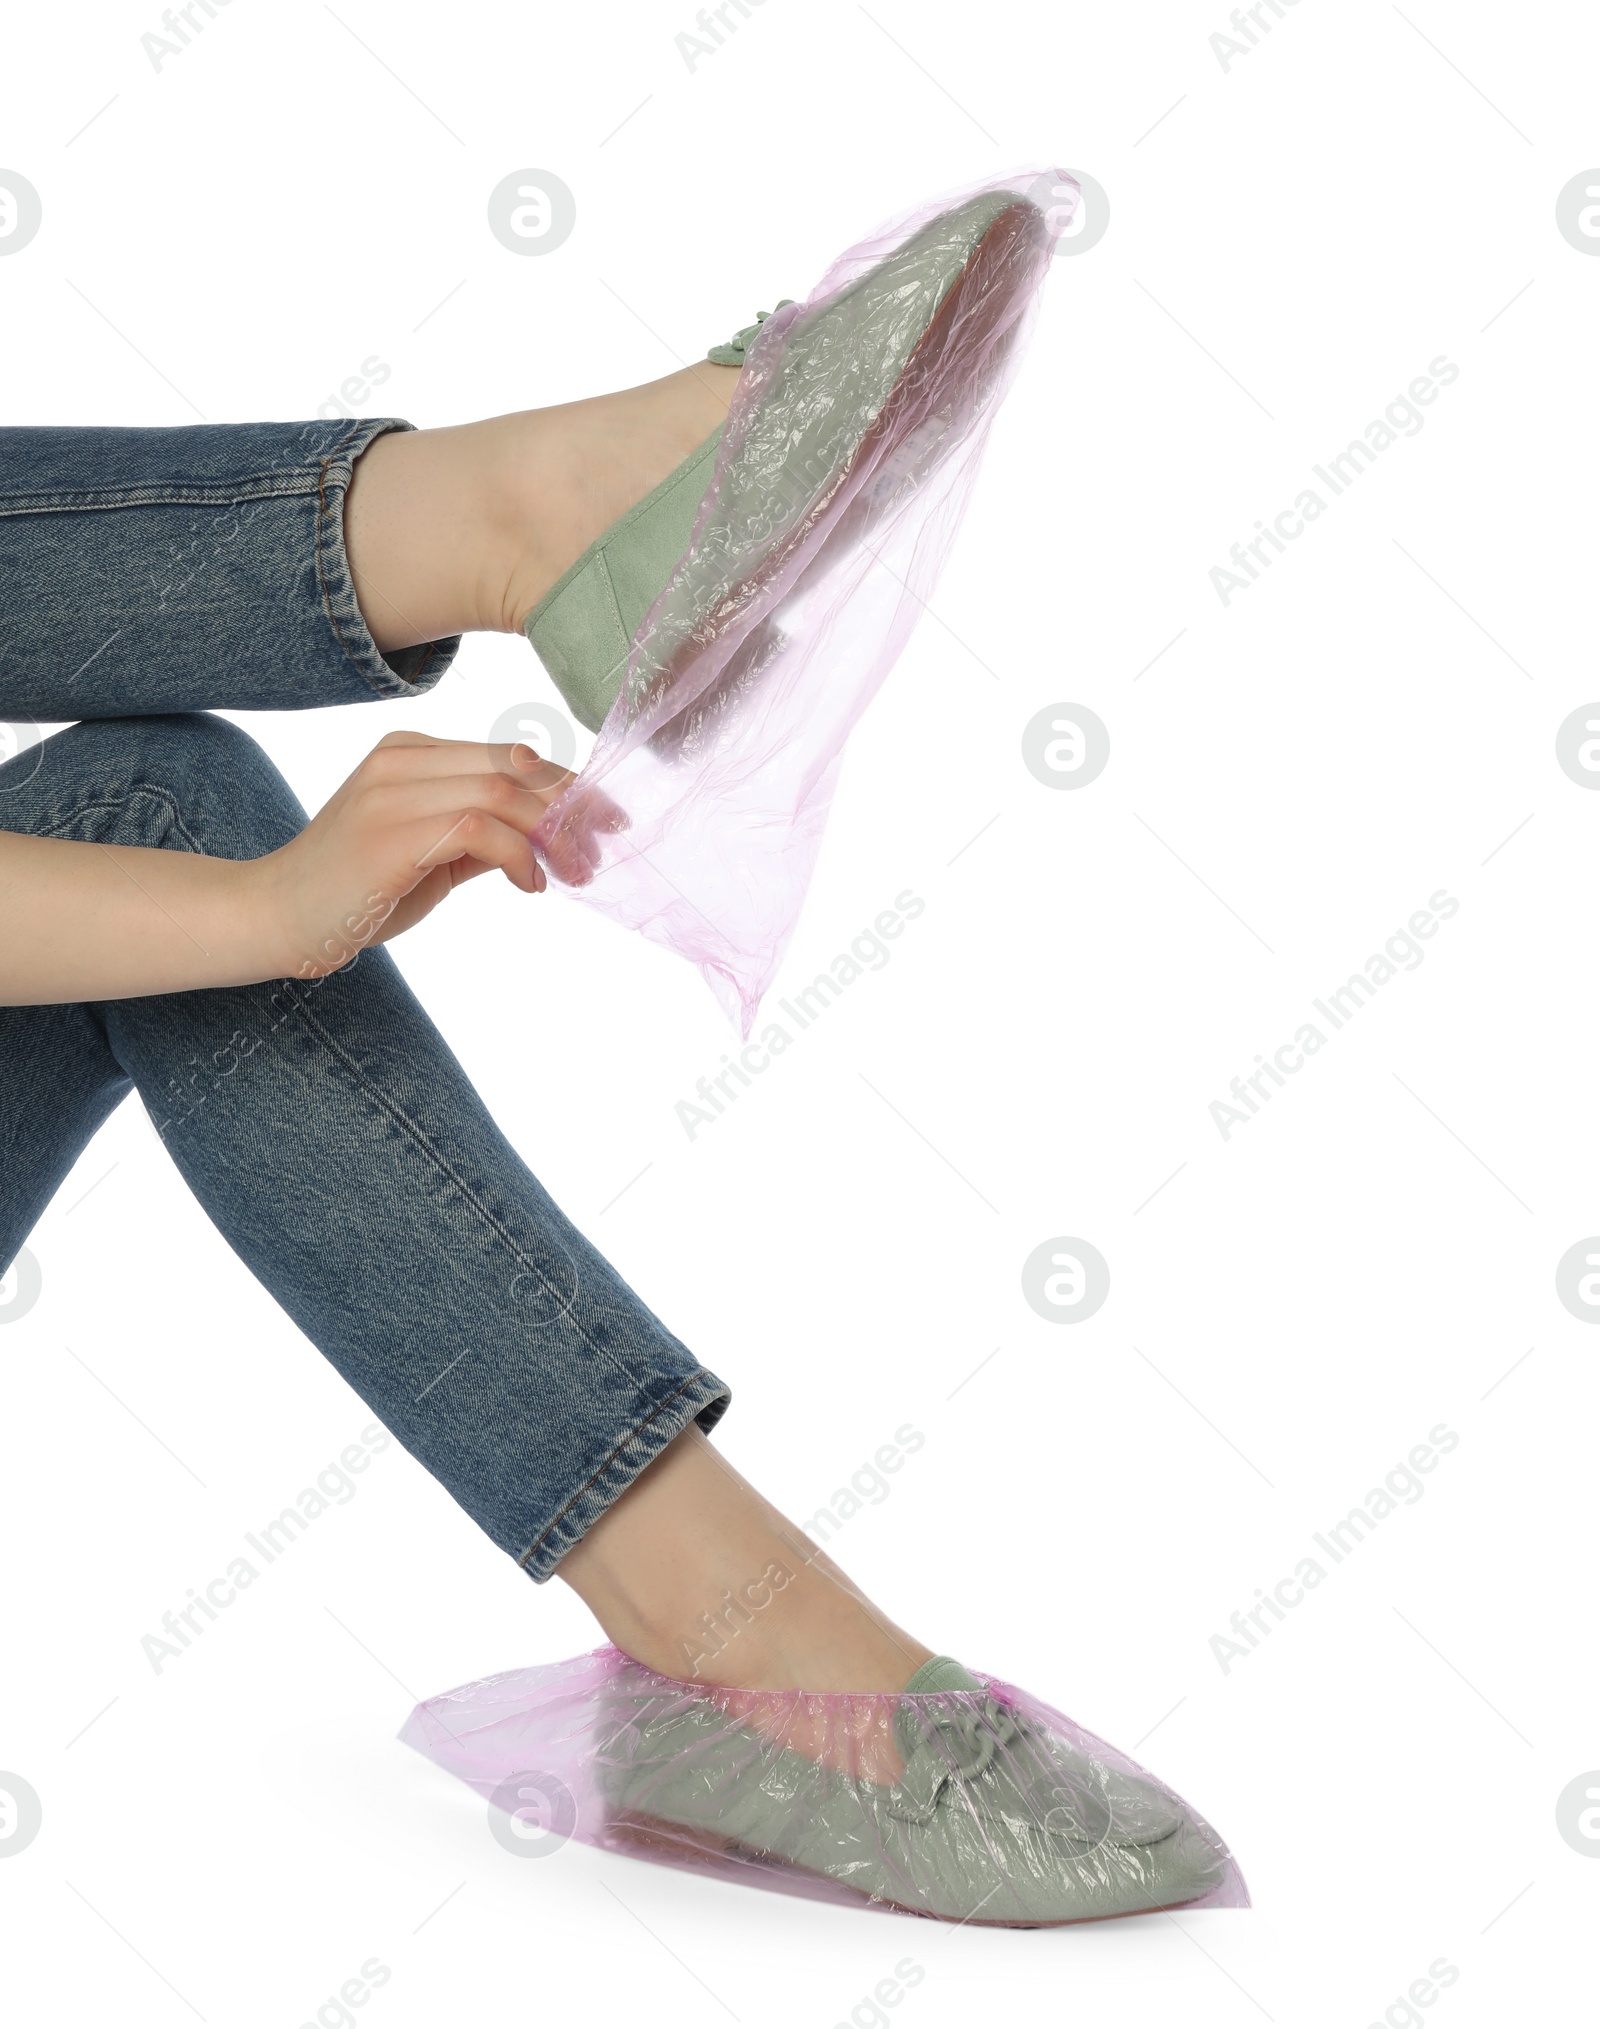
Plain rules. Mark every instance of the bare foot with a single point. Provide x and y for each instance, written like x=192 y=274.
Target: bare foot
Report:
x=694 y=1574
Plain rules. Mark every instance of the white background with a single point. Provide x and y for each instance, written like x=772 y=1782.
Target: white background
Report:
x=1293 y=243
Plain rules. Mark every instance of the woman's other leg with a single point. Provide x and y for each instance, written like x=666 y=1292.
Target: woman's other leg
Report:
x=342 y=1152
x=340 y=1149
x=61 y=1080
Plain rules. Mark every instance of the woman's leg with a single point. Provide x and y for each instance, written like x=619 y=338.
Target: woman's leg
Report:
x=342 y=1152
x=237 y=566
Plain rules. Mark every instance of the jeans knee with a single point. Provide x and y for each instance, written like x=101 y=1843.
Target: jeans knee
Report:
x=185 y=780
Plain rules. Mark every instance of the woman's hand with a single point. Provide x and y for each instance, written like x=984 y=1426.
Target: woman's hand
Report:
x=416 y=819
x=87 y=922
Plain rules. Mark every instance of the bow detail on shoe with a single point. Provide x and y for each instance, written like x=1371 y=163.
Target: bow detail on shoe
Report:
x=732 y=354
x=1012 y=1773
x=945 y=1743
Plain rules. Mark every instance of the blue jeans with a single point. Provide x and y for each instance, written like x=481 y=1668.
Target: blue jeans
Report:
x=147 y=576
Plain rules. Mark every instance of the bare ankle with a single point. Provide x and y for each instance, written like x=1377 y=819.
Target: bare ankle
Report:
x=565 y=474
x=695 y=1575
x=421 y=536
x=465 y=528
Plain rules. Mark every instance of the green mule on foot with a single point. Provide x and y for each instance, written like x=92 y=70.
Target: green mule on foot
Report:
x=957 y=1797
x=830 y=392
x=582 y=628
x=996 y=1817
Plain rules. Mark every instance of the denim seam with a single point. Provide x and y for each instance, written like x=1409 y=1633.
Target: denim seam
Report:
x=111 y=803
x=222 y=493
x=700 y=1374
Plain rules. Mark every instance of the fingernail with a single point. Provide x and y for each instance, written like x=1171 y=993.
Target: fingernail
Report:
x=524 y=756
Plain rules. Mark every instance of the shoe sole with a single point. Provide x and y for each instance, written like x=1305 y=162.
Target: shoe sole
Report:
x=642 y=1836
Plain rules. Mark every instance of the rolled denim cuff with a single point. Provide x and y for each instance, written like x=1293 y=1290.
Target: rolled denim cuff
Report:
x=196 y=568
x=701 y=1399
x=404 y=672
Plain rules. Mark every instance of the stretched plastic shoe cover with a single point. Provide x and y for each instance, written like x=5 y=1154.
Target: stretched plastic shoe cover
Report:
x=970 y=1801
x=846 y=462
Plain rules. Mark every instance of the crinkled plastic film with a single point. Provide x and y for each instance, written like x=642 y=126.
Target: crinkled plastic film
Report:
x=832 y=506
x=978 y=1805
